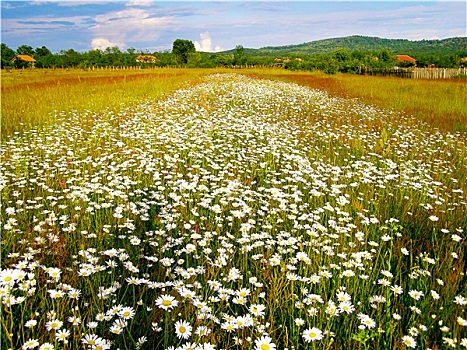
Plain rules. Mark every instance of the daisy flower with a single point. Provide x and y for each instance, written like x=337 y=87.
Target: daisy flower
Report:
x=264 y=343
x=416 y=294
x=299 y=322
x=312 y=334
x=90 y=339
x=189 y=346
x=30 y=323
x=53 y=324
x=30 y=344
x=203 y=331
x=101 y=344
x=346 y=306
x=367 y=321
x=183 y=329
x=54 y=272
x=126 y=312
x=343 y=296
x=166 y=302
x=62 y=334
x=8 y=277
x=46 y=346
x=397 y=289
x=257 y=309
x=409 y=341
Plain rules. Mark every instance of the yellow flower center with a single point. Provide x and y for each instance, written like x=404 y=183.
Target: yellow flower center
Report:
x=182 y=329
x=166 y=303
x=312 y=335
x=265 y=347
x=8 y=278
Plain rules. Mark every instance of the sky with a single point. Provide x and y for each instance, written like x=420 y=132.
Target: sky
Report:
x=150 y=26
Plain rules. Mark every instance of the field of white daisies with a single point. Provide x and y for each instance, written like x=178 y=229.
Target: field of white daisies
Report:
x=234 y=214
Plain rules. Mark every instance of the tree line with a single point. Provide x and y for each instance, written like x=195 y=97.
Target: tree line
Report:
x=183 y=54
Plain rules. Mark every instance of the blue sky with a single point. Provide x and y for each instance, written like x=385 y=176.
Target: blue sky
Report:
x=213 y=26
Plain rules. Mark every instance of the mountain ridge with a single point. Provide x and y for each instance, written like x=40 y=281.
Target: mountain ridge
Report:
x=365 y=43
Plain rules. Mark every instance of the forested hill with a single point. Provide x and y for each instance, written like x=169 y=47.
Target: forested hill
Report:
x=366 y=43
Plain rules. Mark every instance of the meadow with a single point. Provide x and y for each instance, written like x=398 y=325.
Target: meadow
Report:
x=202 y=209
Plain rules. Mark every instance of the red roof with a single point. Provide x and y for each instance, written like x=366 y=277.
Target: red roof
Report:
x=25 y=58
x=405 y=58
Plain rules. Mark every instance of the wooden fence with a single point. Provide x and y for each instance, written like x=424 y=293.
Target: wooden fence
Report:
x=438 y=73
x=416 y=73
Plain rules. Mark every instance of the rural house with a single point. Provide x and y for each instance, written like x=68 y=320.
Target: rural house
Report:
x=24 y=58
x=405 y=58
x=146 y=59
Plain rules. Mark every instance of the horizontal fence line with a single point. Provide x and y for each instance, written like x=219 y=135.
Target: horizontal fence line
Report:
x=413 y=73
x=416 y=73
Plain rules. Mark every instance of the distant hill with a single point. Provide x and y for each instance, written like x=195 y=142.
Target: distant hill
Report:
x=366 y=43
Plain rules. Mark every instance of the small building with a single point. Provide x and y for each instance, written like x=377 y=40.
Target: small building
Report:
x=146 y=59
x=405 y=58
x=24 y=58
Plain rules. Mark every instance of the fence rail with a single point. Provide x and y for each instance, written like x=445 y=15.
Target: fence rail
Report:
x=438 y=73
x=417 y=73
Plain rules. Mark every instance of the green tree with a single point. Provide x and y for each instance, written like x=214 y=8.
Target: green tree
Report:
x=25 y=50
x=44 y=57
x=181 y=48
x=93 y=58
x=239 y=56
x=7 y=55
x=341 y=55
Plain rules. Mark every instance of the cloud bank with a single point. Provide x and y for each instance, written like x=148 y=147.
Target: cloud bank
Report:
x=102 y=44
x=205 y=44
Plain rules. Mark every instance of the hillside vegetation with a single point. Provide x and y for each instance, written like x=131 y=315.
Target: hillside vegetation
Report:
x=366 y=43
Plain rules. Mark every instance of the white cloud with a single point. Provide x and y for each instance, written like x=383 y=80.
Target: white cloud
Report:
x=103 y=43
x=205 y=43
x=140 y=3
x=132 y=25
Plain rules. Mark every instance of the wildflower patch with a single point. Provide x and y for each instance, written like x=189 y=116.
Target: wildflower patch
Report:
x=237 y=213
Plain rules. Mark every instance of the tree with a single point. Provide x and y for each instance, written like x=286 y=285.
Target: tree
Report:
x=181 y=48
x=42 y=52
x=25 y=50
x=341 y=55
x=239 y=56
x=7 y=55
x=44 y=58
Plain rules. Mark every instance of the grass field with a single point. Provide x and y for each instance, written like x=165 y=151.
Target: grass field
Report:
x=221 y=211
x=33 y=97
x=440 y=103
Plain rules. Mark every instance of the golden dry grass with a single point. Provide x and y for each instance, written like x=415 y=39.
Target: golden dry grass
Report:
x=32 y=97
